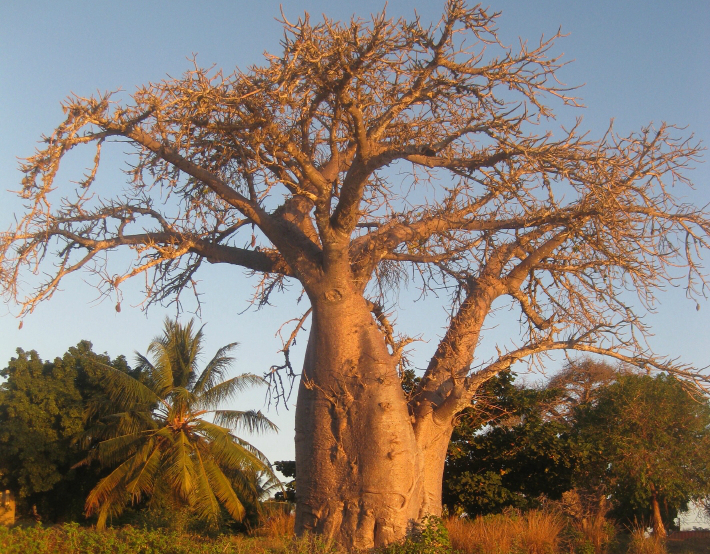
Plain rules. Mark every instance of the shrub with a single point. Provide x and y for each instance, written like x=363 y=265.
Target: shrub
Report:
x=431 y=538
x=589 y=529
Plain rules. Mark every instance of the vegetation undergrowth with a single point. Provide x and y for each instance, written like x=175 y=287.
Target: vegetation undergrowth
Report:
x=544 y=531
x=533 y=532
x=72 y=539
x=431 y=538
x=640 y=542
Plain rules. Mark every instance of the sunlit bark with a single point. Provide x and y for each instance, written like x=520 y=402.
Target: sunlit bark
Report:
x=283 y=170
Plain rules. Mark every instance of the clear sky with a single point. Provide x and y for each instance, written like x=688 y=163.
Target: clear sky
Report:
x=639 y=61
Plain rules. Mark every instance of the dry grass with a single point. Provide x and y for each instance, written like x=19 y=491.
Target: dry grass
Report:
x=279 y=525
x=595 y=530
x=540 y=532
x=482 y=535
x=534 y=532
x=642 y=543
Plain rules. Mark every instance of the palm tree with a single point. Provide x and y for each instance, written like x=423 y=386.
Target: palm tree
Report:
x=159 y=438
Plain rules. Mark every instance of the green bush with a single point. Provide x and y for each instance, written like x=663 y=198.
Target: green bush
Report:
x=72 y=539
x=431 y=538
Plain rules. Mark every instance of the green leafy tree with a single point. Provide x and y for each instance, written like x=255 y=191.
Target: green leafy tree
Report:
x=162 y=444
x=505 y=453
x=645 y=441
x=42 y=406
x=287 y=468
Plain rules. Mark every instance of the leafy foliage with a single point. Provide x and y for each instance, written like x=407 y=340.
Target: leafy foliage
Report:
x=503 y=453
x=160 y=442
x=72 y=539
x=608 y=432
x=287 y=469
x=646 y=437
x=430 y=538
x=42 y=407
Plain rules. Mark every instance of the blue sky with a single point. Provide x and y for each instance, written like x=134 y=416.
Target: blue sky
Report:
x=639 y=61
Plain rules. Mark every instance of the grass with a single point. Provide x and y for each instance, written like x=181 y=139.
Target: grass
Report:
x=534 y=532
x=72 y=539
x=640 y=542
x=552 y=532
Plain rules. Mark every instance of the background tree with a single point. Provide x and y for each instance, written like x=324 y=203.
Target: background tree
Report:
x=42 y=407
x=505 y=453
x=364 y=152
x=287 y=468
x=579 y=383
x=645 y=441
x=161 y=442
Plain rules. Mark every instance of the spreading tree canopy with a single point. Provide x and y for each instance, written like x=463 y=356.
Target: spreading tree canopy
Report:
x=504 y=452
x=42 y=411
x=362 y=153
x=645 y=443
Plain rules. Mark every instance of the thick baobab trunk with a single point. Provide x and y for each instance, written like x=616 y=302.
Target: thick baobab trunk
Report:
x=363 y=478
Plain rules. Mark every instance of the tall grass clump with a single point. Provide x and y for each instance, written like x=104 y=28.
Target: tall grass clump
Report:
x=276 y=525
x=643 y=543
x=533 y=532
x=493 y=534
x=540 y=532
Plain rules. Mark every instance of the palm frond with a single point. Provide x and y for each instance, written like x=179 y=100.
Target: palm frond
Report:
x=179 y=471
x=223 y=490
x=143 y=482
x=215 y=370
x=113 y=451
x=112 y=494
x=251 y=421
x=182 y=398
x=229 y=388
x=142 y=366
x=206 y=504
x=253 y=450
x=268 y=485
x=177 y=350
x=125 y=390
x=109 y=490
x=112 y=507
x=230 y=452
x=123 y=423
x=157 y=377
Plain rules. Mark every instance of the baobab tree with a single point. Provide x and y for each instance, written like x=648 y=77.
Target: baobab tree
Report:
x=366 y=152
